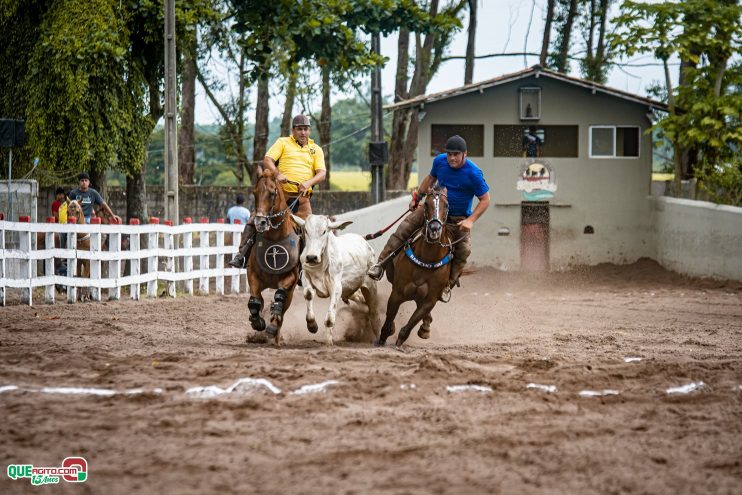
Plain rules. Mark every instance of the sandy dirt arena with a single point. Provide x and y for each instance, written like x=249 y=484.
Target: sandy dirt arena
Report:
x=389 y=424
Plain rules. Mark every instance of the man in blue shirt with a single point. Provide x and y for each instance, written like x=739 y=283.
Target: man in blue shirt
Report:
x=464 y=180
x=238 y=211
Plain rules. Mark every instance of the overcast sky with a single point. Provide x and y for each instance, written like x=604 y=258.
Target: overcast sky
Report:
x=503 y=26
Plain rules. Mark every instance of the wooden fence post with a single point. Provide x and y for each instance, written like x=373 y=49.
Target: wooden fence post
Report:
x=220 y=259
x=95 y=248
x=188 y=260
x=169 y=260
x=49 y=271
x=152 y=260
x=72 y=262
x=134 y=262
x=26 y=265
x=114 y=265
x=203 y=284
x=2 y=261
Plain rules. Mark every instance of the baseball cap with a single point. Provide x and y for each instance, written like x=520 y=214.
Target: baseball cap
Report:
x=301 y=120
x=83 y=175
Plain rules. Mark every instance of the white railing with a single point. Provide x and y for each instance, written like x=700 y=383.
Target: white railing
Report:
x=171 y=244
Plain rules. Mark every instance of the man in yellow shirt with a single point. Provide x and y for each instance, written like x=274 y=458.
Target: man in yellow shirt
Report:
x=295 y=158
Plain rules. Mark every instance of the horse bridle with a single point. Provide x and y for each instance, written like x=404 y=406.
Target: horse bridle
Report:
x=436 y=215
x=271 y=215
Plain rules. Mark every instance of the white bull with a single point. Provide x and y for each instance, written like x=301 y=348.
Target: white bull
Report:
x=335 y=267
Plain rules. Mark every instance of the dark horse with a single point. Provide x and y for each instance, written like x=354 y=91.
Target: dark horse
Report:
x=274 y=259
x=421 y=273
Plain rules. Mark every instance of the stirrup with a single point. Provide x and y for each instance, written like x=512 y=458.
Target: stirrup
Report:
x=376 y=272
x=237 y=262
x=445 y=295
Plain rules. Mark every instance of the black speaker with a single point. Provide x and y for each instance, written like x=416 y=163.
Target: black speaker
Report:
x=12 y=133
x=7 y=133
x=20 y=133
x=378 y=153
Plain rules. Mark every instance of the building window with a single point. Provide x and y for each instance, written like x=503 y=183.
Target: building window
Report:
x=557 y=141
x=473 y=134
x=614 y=141
x=530 y=103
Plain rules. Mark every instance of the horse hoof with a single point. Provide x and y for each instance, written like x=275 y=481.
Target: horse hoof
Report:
x=271 y=330
x=258 y=324
x=312 y=326
x=423 y=333
x=256 y=338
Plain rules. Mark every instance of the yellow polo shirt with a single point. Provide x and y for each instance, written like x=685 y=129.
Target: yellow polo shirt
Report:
x=63 y=212
x=296 y=162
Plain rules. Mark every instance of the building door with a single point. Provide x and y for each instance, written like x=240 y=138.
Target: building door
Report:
x=534 y=236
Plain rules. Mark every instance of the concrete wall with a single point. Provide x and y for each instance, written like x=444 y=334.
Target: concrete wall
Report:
x=698 y=238
x=23 y=198
x=611 y=195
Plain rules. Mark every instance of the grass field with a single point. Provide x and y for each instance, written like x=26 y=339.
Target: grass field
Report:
x=344 y=180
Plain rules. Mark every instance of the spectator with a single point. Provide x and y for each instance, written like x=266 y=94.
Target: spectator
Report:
x=87 y=197
x=532 y=145
x=58 y=200
x=238 y=211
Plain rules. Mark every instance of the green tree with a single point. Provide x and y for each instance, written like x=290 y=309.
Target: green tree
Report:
x=704 y=112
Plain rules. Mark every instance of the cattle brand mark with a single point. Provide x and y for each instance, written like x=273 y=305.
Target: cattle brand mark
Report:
x=72 y=470
x=276 y=257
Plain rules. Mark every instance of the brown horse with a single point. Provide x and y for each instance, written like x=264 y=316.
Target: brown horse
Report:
x=421 y=273
x=274 y=259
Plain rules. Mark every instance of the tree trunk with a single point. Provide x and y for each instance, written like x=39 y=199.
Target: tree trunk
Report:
x=566 y=36
x=470 y=50
x=260 y=141
x=187 y=134
x=288 y=106
x=400 y=119
x=325 y=122
x=136 y=195
x=547 y=33
x=98 y=182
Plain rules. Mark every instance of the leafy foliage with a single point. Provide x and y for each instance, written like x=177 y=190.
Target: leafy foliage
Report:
x=705 y=110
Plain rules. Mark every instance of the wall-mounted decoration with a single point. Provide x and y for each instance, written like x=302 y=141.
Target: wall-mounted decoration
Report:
x=537 y=180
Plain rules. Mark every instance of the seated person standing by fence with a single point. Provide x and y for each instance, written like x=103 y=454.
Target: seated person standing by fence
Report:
x=58 y=200
x=87 y=197
x=299 y=161
x=238 y=211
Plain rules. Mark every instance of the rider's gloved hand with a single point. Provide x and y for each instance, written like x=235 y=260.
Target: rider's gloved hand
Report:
x=415 y=200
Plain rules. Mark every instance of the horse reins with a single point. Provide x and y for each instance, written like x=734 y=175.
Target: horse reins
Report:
x=288 y=208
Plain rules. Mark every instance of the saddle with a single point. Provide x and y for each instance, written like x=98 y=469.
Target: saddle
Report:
x=277 y=257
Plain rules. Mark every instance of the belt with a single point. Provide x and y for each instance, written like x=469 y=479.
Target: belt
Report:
x=294 y=196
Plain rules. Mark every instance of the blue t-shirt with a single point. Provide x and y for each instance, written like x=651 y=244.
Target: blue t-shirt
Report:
x=463 y=184
x=238 y=212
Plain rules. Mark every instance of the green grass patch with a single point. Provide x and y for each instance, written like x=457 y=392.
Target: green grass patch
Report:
x=345 y=180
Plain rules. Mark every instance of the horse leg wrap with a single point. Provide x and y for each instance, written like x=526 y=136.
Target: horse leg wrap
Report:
x=278 y=300
x=254 y=305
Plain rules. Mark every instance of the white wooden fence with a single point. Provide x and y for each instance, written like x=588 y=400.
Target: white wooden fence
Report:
x=169 y=253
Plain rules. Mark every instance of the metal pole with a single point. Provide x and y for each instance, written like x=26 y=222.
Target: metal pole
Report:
x=377 y=132
x=171 y=108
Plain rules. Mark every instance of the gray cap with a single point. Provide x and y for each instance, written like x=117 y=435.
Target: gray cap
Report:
x=455 y=144
x=301 y=120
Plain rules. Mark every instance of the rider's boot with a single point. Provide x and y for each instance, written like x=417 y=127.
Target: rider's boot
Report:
x=376 y=271
x=241 y=257
x=406 y=229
